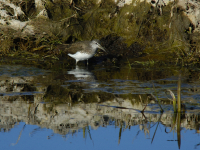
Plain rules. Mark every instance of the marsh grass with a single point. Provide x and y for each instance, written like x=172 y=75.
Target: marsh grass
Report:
x=161 y=35
x=176 y=102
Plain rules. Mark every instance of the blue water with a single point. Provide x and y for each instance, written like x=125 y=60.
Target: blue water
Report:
x=32 y=138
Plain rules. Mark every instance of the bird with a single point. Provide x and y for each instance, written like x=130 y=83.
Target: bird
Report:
x=83 y=50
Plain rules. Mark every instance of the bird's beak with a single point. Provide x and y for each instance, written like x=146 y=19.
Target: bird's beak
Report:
x=102 y=48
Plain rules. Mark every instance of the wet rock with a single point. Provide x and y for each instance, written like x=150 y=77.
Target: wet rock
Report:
x=118 y=49
x=136 y=49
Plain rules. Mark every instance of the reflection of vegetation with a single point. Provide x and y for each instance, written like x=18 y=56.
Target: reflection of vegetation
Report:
x=156 y=129
x=58 y=94
x=85 y=131
x=179 y=129
x=19 y=135
x=149 y=63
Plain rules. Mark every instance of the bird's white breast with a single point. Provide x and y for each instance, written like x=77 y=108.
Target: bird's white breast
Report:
x=81 y=56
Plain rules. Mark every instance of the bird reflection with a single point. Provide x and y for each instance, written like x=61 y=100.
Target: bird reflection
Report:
x=82 y=74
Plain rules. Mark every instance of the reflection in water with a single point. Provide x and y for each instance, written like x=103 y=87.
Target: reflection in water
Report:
x=64 y=119
x=59 y=102
x=83 y=75
x=179 y=129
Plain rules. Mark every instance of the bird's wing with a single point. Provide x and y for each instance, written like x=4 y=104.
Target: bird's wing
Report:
x=72 y=48
x=78 y=46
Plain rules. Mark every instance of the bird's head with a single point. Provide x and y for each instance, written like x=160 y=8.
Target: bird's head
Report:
x=95 y=44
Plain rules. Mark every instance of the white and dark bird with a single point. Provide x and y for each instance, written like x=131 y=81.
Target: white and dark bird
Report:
x=83 y=50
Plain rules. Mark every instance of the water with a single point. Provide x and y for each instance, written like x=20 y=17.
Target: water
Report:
x=34 y=137
x=97 y=108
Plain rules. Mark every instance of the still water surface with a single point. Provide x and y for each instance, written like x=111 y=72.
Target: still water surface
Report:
x=97 y=108
x=33 y=137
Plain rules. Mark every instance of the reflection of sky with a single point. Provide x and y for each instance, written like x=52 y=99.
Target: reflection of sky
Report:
x=102 y=138
x=19 y=70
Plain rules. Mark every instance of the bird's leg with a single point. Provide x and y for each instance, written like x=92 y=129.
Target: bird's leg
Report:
x=87 y=62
